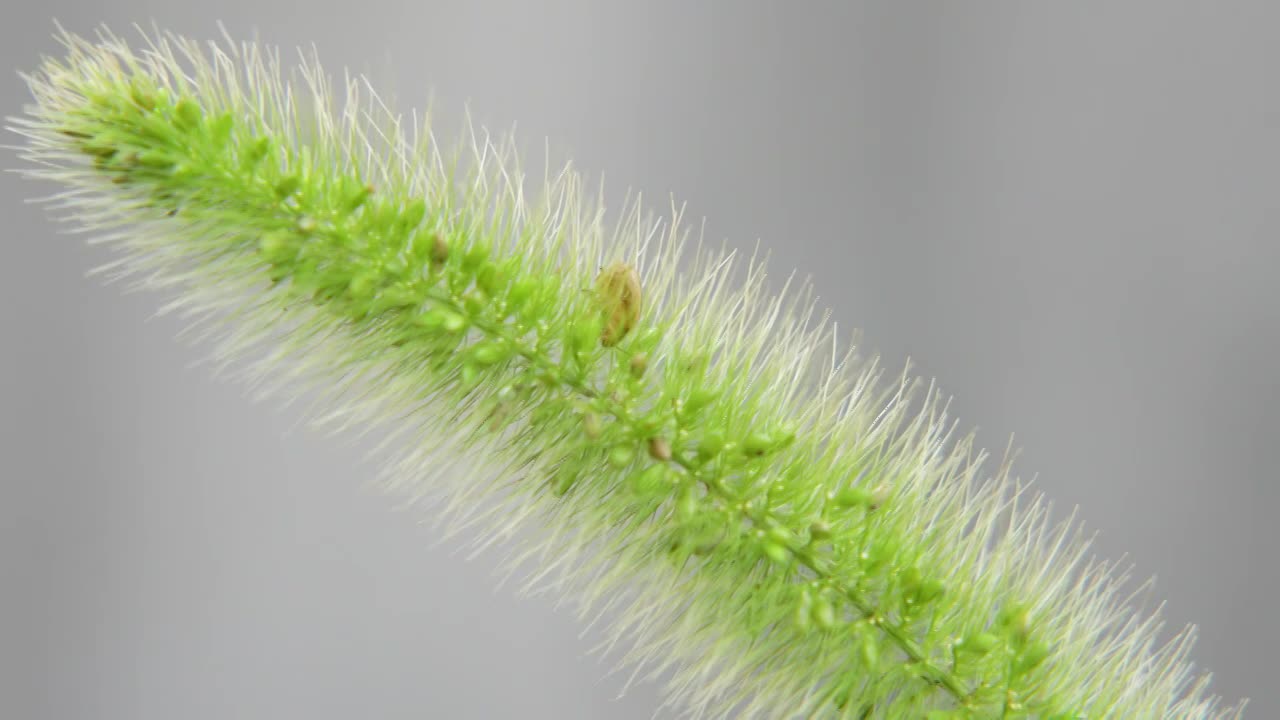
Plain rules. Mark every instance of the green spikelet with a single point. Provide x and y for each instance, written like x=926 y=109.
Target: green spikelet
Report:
x=793 y=534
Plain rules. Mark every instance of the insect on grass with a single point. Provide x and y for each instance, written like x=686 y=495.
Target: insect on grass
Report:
x=619 y=295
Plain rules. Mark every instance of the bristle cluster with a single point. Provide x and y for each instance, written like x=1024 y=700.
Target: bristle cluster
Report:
x=757 y=511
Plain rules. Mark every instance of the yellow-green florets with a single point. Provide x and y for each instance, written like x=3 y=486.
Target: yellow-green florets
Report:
x=799 y=536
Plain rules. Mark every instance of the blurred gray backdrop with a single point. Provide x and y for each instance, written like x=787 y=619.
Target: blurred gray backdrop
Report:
x=1065 y=212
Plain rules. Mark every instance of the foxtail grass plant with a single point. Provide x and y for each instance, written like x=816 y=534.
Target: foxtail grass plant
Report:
x=764 y=517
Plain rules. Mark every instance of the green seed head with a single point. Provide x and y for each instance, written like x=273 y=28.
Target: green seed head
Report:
x=787 y=537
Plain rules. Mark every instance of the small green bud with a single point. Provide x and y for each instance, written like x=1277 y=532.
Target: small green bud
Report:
x=869 y=649
x=476 y=302
x=1016 y=622
x=384 y=216
x=762 y=443
x=711 y=444
x=362 y=285
x=220 y=129
x=155 y=159
x=186 y=114
x=413 y=212
x=520 y=292
x=686 y=505
x=930 y=590
x=1031 y=657
x=453 y=323
x=275 y=246
x=469 y=377
x=592 y=426
x=650 y=481
x=255 y=152
x=357 y=198
x=824 y=613
x=776 y=552
x=803 y=617
x=288 y=186
x=394 y=297
x=979 y=644
x=877 y=555
x=581 y=336
x=697 y=401
x=142 y=96
x=819 y=530
x=852 y=497
x=621 y=456
x=489 y=353
x=910 y=579
x=757 y=444
x=491 y=278
x=780 y=535
x=440 y=318
x=475 y=256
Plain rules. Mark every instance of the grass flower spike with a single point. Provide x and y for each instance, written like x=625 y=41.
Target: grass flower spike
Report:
x=759 y=511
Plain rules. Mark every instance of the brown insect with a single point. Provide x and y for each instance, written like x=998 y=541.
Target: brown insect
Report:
x=618 y=292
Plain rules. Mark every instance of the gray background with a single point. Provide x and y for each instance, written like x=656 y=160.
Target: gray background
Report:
x=1065 y=212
